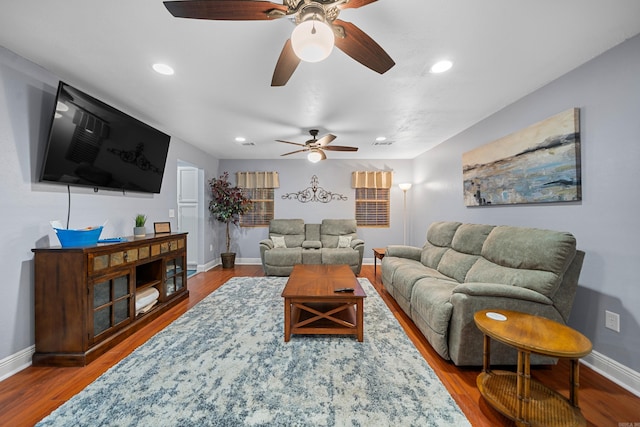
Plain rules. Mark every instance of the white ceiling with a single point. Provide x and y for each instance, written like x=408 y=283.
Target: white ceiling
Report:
x=501 y=49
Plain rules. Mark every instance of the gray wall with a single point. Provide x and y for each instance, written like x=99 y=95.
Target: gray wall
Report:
x=607 y=91
x=333 y=176
x=27 y=94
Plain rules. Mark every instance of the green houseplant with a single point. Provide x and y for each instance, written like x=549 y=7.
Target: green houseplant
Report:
x=139 y=230
x=226 y=205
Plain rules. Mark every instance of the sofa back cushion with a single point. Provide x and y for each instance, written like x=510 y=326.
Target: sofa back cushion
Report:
x=291 y=229
x=331 y=229
x=470 y=238
x=312 y=232
x=456 y=264
x=439 y=237
x=531 y=258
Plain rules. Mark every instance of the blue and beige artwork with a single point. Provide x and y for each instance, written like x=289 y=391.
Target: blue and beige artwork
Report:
x=539 y=164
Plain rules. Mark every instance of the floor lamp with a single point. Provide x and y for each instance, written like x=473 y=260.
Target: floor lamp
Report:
x=404 y=187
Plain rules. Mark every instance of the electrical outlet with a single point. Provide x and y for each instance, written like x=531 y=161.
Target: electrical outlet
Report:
x=210 y=248
x=172 y=213
x=612 y=320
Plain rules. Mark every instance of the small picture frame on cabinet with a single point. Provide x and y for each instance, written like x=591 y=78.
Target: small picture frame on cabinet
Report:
x=161 y=227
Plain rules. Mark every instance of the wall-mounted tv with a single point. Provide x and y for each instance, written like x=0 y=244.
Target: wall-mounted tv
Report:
x=92 y=144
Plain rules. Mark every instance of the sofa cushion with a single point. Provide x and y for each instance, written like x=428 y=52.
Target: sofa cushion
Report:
x=283 y=256
x=456 y=265
x=293 y=231
x=431 y=255
x=311 y=244
x=331 y=229
x=469 y=238
x=407 y=275
x=541 y=257
x=340 y=256
x=441 y=233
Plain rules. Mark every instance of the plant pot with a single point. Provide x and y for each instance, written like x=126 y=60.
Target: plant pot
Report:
x=228 y=259
x=139 y=231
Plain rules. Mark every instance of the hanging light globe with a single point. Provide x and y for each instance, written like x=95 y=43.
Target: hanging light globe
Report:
x=312 y=40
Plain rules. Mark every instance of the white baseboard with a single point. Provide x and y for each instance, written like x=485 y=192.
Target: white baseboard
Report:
x=625 y=377
x=16 y=362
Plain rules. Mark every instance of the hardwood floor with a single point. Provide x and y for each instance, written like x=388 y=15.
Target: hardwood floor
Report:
x=31 y=394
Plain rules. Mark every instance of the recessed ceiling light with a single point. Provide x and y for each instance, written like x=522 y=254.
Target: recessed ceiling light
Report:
x=163 y=69
x=441 y=66
x=381 y=138
x=240 y=139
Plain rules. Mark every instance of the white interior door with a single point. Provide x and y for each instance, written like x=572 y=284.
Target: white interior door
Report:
x=188 y=199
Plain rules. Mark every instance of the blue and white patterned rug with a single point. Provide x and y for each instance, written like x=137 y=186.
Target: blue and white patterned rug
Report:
x=225 y=363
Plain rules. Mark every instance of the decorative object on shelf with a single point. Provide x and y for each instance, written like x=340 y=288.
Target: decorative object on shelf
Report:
x=405 y=186
x=139 y=230
x=314 y=194
x=161 y=227
x=538 y=164
x=227 y=204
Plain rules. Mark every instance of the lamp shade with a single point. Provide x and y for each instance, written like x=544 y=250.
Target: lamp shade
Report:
x=312 y=40
x=405 y=186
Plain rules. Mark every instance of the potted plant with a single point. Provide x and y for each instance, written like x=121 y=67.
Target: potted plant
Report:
x=139 y=230
x=226 y=205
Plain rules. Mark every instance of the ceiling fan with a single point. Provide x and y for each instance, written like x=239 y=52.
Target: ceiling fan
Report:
x=316 y=20
x=315 y=147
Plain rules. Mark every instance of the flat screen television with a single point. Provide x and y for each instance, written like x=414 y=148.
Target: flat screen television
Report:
x=92 y=144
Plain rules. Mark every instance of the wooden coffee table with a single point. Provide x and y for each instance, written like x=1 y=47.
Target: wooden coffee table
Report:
x=311 y=305
x=516 y=395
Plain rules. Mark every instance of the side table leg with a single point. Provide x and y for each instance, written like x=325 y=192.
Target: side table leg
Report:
x=486 y=354
x=287 y=319
x=574 y=378
x=523 y=387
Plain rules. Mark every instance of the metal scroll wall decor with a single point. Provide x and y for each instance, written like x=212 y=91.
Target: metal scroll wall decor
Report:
x=314 y=194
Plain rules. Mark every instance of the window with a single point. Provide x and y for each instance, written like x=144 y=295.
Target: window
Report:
x=372 y=197
x=372 y=207
x=261 y=207
x=259 y=188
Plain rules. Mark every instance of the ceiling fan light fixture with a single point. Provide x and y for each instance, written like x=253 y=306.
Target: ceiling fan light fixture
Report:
x=312 y=40
x=314 y=156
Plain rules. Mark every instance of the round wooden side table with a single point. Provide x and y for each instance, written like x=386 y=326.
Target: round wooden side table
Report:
x=516 y=395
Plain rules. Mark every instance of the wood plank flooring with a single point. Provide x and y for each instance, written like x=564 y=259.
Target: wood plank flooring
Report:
x=31 y=394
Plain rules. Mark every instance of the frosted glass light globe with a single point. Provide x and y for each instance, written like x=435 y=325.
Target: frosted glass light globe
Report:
x=312 y=40
x=314 y=157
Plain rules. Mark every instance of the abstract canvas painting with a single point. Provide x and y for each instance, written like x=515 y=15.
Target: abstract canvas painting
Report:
x=538 y=164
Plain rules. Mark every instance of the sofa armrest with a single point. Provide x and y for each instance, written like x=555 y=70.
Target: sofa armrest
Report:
x=403 y=251
x=356 y=242
x=496 y=290
x=266 y=244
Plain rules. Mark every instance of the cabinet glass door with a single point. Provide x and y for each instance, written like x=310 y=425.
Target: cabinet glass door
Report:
x=112 y=301
x=174 y=279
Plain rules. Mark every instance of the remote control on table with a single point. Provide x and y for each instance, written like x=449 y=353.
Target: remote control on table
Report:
x=344 y=290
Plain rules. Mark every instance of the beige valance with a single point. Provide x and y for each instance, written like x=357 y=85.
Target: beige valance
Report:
x=258 y=179
x=372 y=179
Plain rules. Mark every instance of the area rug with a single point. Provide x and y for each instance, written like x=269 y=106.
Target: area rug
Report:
x=225 y=363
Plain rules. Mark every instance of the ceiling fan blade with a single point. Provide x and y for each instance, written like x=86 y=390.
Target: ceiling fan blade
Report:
x=353 y=4
x=294 y=152
x=340 y=148
x=324 y=156
x=286 y=65
x=358 y=45
x=327 y=139
x=289 y=142
x=225 y=10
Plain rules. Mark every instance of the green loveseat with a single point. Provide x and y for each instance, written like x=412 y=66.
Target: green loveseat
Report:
x=291 y=242
x=464 y=268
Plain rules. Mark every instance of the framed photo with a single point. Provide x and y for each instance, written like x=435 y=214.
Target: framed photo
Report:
x=161 y=227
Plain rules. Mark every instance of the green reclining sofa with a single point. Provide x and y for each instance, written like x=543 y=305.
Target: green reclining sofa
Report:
x=291 y=242
x=464 y=268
